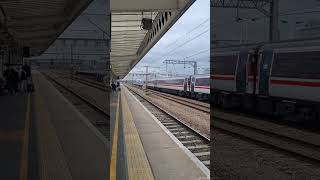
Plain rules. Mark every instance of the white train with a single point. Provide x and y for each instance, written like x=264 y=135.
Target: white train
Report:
x=197 y=87
x=279 y=79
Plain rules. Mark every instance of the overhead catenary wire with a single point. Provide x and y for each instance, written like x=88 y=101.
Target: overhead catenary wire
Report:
x=166 y=54
x=289 y=13
x=186 y=42
x=199 y=25
x=195 y=54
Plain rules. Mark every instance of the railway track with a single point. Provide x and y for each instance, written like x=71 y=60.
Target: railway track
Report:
x=194 y=141
x=101 y=125
x=85 y=81
x=190 y=103
x=307 y=150
x=91 y=83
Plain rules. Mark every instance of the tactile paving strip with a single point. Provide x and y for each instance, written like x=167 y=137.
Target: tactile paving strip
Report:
x=138 y=164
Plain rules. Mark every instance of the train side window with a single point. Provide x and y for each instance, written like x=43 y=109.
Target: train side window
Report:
x=202 y=82
x=297 y=65
x=224 y=65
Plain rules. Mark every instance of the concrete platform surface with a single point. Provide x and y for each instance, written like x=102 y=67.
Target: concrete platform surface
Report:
x=14 y=113
x=66 y=138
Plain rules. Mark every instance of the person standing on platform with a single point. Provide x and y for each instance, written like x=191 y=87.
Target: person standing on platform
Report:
x=6 y=75
x=118 y=85
x=113 y=86
x=27 y=69
x=13 y=80
x=22 y=77
x=23 y=80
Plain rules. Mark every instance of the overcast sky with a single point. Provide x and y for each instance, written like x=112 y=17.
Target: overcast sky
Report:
x=294 y=16
x=189 y=36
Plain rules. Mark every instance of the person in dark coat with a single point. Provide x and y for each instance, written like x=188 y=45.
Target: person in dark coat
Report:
x=5 y=75
x=22 y=79
x=113 y=86
x=28 y=85
x=27 y=69
x=118 y=85
x=12 y=81
x=16 y=80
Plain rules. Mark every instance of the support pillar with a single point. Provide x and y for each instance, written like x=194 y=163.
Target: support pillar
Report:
x=274 y=34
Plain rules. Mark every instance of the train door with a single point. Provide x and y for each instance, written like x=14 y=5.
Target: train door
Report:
x=185 y=84
x=189 y=83
x=193 y=79
x=252 y=73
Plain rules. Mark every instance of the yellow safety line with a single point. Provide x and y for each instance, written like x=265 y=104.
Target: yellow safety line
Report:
x=12 y=136
x=138 y=164
x=113 y=167
x=25 y=145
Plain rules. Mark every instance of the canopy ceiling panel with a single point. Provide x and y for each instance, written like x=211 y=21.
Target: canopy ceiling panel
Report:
x=37 y=23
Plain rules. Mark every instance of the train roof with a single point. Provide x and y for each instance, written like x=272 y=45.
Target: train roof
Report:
x=168 y=78
x=268 y=45
x=296 y=43
x=171 y=78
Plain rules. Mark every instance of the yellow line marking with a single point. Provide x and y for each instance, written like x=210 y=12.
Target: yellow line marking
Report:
x=113 y=167
x=138 y=164
x=11 y=136
x=25 y=145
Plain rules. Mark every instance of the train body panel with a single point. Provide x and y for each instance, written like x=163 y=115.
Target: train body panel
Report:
x=225 y=83
x=297 y=71
x=168 y=86
x=300 y=89
x=202 y=84
x=176 y=84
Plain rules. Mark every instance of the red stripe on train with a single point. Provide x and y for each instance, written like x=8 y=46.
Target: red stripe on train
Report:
x=203 y=87
x=295 y=83
x=170 y=85
x=228 y=78
x=200 y=87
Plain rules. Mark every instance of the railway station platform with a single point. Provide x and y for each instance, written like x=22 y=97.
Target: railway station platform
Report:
x=142 y=148
x=43 y=136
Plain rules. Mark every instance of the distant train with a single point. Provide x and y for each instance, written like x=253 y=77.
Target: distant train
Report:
x=197 y=87
x=279 y=79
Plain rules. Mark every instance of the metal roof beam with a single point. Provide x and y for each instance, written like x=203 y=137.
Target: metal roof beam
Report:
x=35 y=20
x=149 y=42
x=120 y=46
x=145 y=5
x=164 y=14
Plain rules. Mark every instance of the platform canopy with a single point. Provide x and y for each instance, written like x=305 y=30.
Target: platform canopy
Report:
x=37 y=23
x=129 y=40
